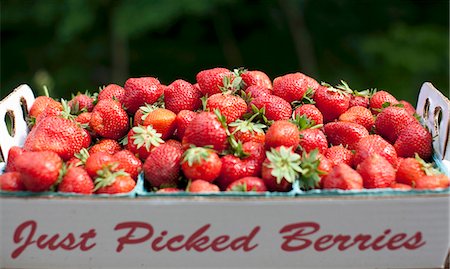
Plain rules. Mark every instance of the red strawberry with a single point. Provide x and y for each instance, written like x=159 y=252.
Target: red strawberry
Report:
x=48 y=112
x=282 y=133
x=246 y=131
x=98 y=161
x=183 y=119
x=128 y=162
x=163 y=121
x=169 y=190
x=332 y=102
x=407 y=105
x=280 y=169
x=400 y=186
x=345 y=133
x=39 y=170
x=206 y=130
x=313 y=138
x=42 y=103
x=142 y=140
x=343 y=177
x=374 y=144
x=140 y=91
x=162 y=167
x=436 y=181
x=414 y=138
x=113 y=182
x=391 y=121
x=311 y=112
x=211 y=80
x=13 y=153
x=272 y=107
x=231 y=106
x=59 y=135
x=376 y=172
x=11 y=181
x=106 y=145
x=201 y=163
x=81 y=103
x=202 y=186
x=175 y=143
x=247 y=184
x=112 y=91
x=361 y=98
x=292 y=87
x=315 y=167
x=410 y=169
x=76 y=180
x=256 y=91
x=379 y=99
x=339 y=154
x=141 y=114
x=109 y=119
x=256 y=78
x=247 y=161
x=84 y=118
x=360 y=115
x=182 y=95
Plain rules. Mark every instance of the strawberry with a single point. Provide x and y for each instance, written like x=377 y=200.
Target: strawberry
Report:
x=142 y=140
x=246 y=131
x=400 y=186
x=13 y=153
x=391 y=121
x=231 y=106
x=140 y=91
x=82 y=102
x=202 y=186
x=311 y=137
x=42 y=103
x=183 y=119
x=175 y=143
x=272 y=107
x=109 y=119
x=292 y=87
x=211 y=80
x=76 y=180
x=256 y=78
x=105 y=145
x=254 y=91
x=206 y=129
x=182 y=95
x=314 y=167
x=413 y=139
x=110 y=182
x=162 y=167
x=201 y=163
x=380 y=99
x=47 y=112
x=345 y=133
x=360 y=115
x=59 y=135
x=169 y=190
x=112 y=91
x=280 y=169
x=11 y=181
x=339 y=154
x=282 y=133
x=410 y=169
x=435 y=181
x=374 y=144
x=343 y=177
x=360 y=98
x=376 y=172
x=141 y=114
x=163 y=121
x=311 y=112
x=246 y=161
x=84 y=118
x=39 y=171
x=332 y=102
x=97 y=162
x=247 y=184
x=407 y=105
x=128 y=162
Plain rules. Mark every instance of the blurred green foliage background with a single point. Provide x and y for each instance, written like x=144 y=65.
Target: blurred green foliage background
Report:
x=78 y=45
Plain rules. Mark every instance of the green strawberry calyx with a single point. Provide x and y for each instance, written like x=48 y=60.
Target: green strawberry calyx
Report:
x=146 y=109
x=285 y=164
x=196 y=155
x=107 y=176
x=237 y=147
x=303 y=122
x=247 y=126
x=232 y=84
x=428 y=168
x=242 y=187
x=310 y=176
x=146 y=136
x=343 y=88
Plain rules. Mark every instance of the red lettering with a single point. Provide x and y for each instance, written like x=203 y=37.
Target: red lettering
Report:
x=158 y=240
x=379 y=239
x=129 y=238
x=323 y=240
x=364 y=238
x=295 y=240
x=175 y=239
x=244 y=241
x=343 y=239
x=415 y=241
x=395 y=239
x=215 y=244
x=197 y=240
x=18 y=236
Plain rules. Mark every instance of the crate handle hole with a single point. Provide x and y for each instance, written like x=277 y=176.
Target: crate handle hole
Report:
x=426 y=108
x=23 y=105
x=10 y=123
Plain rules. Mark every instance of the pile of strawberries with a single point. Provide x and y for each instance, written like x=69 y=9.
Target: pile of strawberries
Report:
x=230 y=131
